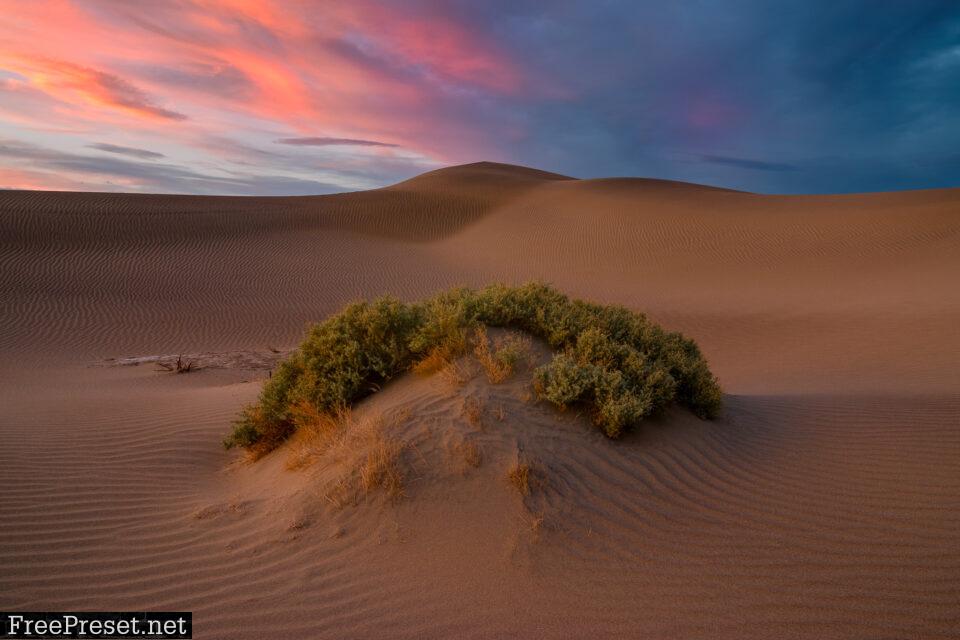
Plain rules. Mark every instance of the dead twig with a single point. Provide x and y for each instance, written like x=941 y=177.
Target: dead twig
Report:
x=179 y=366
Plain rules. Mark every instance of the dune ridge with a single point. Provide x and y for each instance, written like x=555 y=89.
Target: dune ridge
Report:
x=823 y=503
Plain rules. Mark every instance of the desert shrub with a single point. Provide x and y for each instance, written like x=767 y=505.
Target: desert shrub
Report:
x=611 y=360
x=564 y=381
x=619 y=381
x=341 y=360
x=441 y=335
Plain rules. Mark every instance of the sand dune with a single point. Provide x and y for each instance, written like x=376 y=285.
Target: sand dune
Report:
x=824 y=503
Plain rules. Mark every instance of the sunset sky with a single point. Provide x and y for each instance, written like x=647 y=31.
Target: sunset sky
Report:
x=298 y=97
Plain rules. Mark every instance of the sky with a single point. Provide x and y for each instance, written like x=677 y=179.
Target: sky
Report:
x=293 y=97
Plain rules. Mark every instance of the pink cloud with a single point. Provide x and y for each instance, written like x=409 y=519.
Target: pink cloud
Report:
x=75 y=83
x=195 y=69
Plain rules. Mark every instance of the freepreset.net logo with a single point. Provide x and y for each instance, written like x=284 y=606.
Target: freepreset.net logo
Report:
x=115 y=624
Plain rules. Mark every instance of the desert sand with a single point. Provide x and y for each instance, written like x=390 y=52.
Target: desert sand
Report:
x=824 y=503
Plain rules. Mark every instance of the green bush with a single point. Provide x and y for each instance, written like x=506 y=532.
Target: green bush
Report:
x=610 y=359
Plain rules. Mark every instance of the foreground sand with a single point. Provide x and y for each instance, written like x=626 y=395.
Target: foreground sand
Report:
x=825 y=503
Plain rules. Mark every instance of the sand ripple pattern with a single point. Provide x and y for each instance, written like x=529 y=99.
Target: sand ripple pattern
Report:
x=824 y=504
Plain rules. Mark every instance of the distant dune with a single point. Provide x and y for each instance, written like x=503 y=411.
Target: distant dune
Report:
x=825 y=502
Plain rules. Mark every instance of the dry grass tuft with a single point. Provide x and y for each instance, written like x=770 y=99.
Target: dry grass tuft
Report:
x=265 y=445
x=473 y=411
x=500 y=413
x=519 y=476
x=444 y=354
x=254 y=453
x=435 y=361
x=501 y=360
x=381 y=469
x=526 y=476
x=456 y=374
x=316 y=433
x=471 y=453
x=339 y=495
x=369 y=459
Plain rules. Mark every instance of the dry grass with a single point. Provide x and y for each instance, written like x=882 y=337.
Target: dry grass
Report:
x=435 y=361
x=252 y=454
x=473 y=411
x=381 y=468
x=507 y=353
x=519 y=477
x=456 y=374
x=525 y=476
x=500 y=413
x=263 y=446
x=471 y=453
x=340 y=494
x=316 y=433
x=442 y=355
x=368 y=458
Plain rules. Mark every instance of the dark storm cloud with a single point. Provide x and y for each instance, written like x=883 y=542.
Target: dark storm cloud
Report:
x=847 y=95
